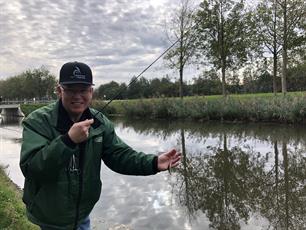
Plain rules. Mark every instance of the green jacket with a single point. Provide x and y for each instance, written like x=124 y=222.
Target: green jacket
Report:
x=62 y=179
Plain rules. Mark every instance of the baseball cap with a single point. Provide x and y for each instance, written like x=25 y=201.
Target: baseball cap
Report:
x=75 y=73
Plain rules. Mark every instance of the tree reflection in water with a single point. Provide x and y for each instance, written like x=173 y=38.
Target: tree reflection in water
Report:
x=284 y=193
x=230 y=184
x=233 y=183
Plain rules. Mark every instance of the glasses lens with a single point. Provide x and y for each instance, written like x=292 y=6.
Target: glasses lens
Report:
x=72 y=91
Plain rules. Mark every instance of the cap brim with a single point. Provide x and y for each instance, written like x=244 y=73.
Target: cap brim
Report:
x=75 y=82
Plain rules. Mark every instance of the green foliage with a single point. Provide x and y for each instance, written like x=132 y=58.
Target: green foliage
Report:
x=12 y=210
x=208 y=83
x=138 y=88
x=297 y=77
x=28 y=108
x=223 y=35
x=181 y=32
x=37 y=83
x=281 y=29
x=110 y=90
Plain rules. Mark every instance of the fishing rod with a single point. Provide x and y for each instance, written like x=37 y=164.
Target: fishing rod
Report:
x=142 y=72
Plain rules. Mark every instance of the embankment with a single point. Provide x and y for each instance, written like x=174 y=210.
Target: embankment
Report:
x=12 y=209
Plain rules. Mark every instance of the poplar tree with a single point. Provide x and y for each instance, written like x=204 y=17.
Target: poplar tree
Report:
x=268 y=20
x=292 y=33
x=181 y=29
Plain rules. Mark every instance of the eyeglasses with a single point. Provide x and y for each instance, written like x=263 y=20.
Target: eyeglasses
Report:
x=71 y=92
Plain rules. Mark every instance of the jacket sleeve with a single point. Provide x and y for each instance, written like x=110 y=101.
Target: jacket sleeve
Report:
x=121 y=158
x=41 y=157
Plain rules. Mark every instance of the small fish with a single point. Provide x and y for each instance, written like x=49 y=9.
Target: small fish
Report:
x=170 y=166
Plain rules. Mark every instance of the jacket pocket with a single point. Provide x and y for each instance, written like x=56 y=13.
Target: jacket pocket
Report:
x=91 y=192
x=31 y=188
x=52 y=204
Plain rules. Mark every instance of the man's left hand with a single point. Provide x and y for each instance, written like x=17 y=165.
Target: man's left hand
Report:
x=168 y=160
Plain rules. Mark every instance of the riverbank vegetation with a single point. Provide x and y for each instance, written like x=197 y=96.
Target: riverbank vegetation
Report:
x=12 y=210
x=250 y=107
x=264 y=107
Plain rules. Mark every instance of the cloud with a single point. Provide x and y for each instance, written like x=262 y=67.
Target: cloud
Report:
x=116 y=38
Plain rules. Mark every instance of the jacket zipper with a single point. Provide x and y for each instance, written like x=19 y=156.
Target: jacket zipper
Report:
x=77 y=212
x=81 y=162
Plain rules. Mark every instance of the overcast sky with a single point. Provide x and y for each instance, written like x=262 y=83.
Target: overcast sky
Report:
x=118 y=39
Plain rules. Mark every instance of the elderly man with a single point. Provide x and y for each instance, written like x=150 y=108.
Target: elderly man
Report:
x=63 y=144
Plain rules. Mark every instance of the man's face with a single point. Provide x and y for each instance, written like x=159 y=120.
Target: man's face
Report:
x=75 y=98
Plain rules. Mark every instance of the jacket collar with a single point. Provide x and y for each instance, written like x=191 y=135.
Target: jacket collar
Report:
x=64 y=122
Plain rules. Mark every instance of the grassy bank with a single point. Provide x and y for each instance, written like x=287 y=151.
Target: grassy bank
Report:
x=244 y=107
x=12 y=210
x=28 y=108
x=249 y=107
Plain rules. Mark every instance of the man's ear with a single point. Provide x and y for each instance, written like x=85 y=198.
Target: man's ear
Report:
x=58 y=90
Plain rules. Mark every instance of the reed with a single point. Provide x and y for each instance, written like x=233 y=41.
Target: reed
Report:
x=284 y=109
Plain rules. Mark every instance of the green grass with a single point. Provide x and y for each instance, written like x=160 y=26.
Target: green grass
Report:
x=12 y=209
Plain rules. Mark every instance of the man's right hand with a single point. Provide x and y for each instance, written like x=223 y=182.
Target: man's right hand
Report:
x=79 y=131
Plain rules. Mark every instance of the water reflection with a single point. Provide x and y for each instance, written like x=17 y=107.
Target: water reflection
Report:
x=232 y=176
x=10 y=138
x=232 y=183
x=10 y=120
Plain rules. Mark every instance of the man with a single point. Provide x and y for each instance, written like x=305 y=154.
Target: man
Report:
x=63 y=144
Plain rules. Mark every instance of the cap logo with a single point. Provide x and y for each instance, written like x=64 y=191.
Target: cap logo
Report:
x=77 y=73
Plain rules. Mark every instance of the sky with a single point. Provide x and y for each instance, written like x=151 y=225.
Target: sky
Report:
x=116 y=38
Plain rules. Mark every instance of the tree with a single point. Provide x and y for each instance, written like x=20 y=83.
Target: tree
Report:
x=297 y=78
x=162 y=87
x=108 y=91
x=139 y=88
x=293 y=31
x=181 y=31
x=234 y=85
x=267 y=18
x=37 y=83
x=223 y=34
x=208 y=83
x=41 y=82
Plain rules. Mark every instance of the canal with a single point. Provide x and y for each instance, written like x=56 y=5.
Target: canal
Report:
x=232 y=176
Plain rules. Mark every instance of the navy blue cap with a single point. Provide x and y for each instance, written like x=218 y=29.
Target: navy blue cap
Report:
x=75 y=73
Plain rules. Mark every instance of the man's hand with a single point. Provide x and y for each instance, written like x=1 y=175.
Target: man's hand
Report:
x=79 y=131
x=168 y=160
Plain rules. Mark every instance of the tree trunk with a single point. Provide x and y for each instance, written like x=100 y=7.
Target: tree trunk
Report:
x=274 y=52
x=275 y=72
x=181 y=83
x=285 y=57
x=185 y=170
x=222 y=53
x=286 y=172
x=223 y=78
x=181 y=64
x=276 y=166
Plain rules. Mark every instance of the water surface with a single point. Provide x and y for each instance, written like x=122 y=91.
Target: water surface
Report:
x=232 y=176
